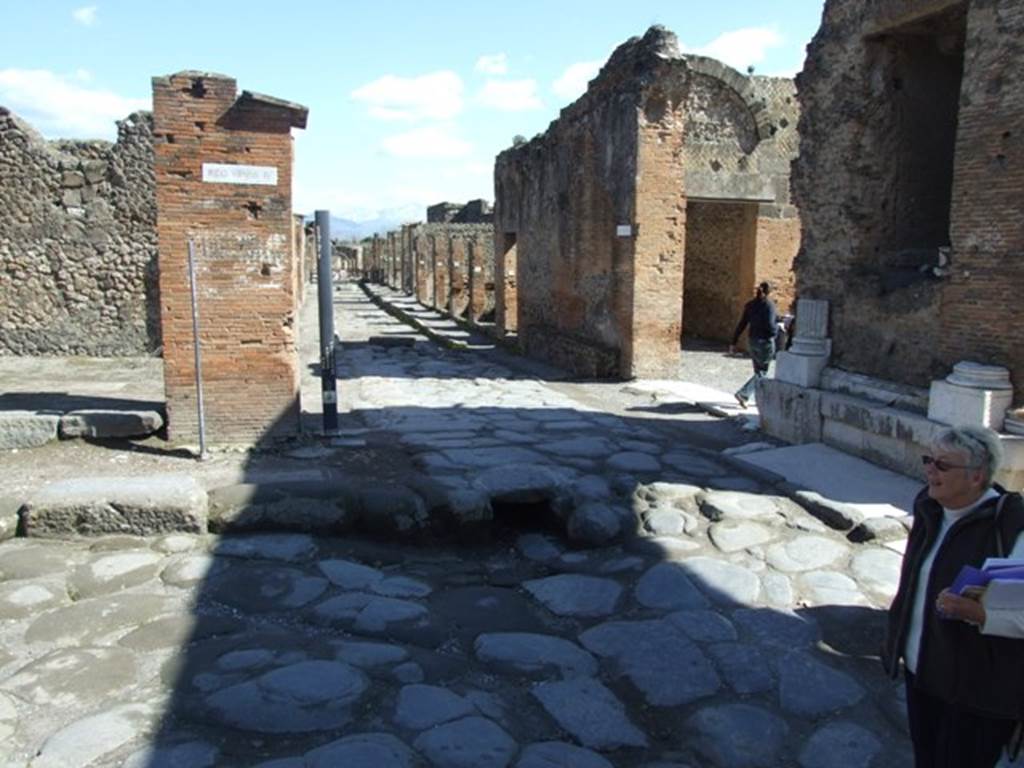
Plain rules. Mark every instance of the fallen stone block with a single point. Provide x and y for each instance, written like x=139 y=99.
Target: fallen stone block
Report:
x=834 y=514
x=307 y=506
x=108 y=424
x=27 y=429
x=111 y=505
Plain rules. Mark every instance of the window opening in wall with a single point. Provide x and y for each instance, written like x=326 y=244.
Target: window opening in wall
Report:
x=198 y=88
x=919 y=67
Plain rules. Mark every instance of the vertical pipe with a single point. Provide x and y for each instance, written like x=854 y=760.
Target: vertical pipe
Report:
x=196 y=349
x=328 y=383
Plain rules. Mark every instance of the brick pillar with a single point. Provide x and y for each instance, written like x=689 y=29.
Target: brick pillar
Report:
x=223 y=166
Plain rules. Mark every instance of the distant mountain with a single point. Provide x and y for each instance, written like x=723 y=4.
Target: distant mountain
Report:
x=348 y=229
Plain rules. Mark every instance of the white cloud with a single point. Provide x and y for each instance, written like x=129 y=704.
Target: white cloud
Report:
x=510 y=95
x=83 y=75
x=741 y=48
x=430 y=141
x=493 y=64
x=573 y=81
x=86 y=15
x=436 y=96
x=59 y=107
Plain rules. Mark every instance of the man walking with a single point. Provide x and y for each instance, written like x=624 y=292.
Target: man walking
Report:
x=759 y=314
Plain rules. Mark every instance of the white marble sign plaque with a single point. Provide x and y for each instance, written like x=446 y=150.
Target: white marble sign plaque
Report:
x=624 y=230
x=218 y=173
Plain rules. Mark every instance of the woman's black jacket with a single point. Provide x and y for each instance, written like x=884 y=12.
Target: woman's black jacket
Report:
x=957 y=663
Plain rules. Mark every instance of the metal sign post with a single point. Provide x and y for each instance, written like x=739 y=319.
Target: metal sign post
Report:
x=325 y=296
x=203 y=455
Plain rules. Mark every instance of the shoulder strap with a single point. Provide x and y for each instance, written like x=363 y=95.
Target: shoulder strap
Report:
x=1000 y=549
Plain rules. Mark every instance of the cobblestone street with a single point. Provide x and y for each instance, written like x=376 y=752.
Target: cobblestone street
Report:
x=534 y=583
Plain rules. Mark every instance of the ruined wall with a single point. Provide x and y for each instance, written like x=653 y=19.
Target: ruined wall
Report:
x=246 y=264
x=593 y=212
x=77 y=242
x=481 y=279
x=911 y=183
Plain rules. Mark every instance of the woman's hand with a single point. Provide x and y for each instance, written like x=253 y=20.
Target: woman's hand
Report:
x=963 y=608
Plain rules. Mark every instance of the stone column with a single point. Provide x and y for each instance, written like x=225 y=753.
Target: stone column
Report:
x=808 y=355
x=972 y=394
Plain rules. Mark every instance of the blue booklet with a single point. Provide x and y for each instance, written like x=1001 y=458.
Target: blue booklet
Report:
x=980 y=577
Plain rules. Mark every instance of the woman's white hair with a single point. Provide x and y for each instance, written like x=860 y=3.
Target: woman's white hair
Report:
x=979 y=443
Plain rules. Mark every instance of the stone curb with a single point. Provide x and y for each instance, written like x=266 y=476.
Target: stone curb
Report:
x=412 y=322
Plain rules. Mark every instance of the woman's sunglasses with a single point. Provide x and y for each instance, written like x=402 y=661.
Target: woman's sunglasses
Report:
x=944 y=466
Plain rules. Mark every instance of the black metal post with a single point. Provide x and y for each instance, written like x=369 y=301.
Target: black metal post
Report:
x=325 y=296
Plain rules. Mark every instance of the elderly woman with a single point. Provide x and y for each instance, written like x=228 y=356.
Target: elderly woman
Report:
x=964 y=667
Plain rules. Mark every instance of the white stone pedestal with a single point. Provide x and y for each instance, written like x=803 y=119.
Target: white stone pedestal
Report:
x=973 y=394
x=802 y=370
x=808 y=355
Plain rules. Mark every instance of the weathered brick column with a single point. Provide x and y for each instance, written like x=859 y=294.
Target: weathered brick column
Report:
x=223 y=167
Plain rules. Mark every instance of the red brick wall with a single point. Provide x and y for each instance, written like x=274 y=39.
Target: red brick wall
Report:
x=458 y=299
x=246 y=271
x=442 y=254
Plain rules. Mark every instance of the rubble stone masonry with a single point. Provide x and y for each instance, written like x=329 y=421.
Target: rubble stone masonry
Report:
x=247 y=268
x=77 y=242
x=911 y=184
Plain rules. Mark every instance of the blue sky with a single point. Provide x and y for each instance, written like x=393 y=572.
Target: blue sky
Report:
x=409 y=101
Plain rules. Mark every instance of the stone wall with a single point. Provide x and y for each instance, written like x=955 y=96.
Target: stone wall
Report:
x=77 y=242
x=911 y=184
x=591 y=217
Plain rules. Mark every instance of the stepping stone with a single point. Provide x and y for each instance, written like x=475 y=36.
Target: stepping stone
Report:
x=878 y=570
x=283 y=547
x=299 y=698
x=744 y=667
x=110 y=424
x=26 y=429
x=472 y=742
x=840 y=745
x=724 y=583
x=669 y=522
x=830 y=588
x=113 y=505
x=537 y=656
x=517 y=484
x=114 y=572
x=363 y=750
x=398 y=511
x=738 y=736
x=657 y=657
x=733 y=536
x=558 y=754
x=634 y=461
x=575 y=595
x=806 y=553
x=667 y=586
x=776 y=629
x=264 y=589
x=809 y=688
x=421 y=707
x=369 y=613
x=309 y=506
x=590 y=713
x=834 y=514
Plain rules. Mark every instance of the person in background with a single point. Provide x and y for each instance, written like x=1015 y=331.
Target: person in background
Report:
x=963 y=665
x=760 y=315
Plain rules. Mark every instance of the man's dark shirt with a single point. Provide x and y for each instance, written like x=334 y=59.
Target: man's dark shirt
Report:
x=761 y=316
